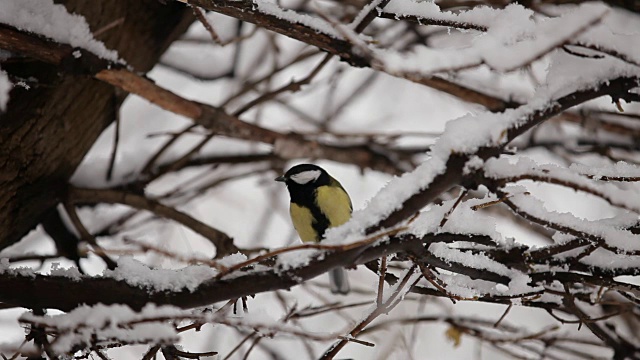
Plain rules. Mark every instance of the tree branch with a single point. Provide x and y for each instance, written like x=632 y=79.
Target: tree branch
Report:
x=453 y=174
x=223 y=243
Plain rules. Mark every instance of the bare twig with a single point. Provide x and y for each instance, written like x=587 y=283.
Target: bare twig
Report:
x=224 y=244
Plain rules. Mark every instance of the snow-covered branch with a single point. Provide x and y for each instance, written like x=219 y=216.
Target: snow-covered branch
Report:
x=490 y=151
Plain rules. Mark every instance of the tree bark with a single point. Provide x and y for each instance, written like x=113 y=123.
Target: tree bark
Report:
x=49 y=127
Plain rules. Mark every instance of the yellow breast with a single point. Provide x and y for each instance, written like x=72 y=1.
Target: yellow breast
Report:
x=334 y=202
x=302 y=221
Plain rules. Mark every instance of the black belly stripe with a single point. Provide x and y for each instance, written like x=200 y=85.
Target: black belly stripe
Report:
x=320 y=221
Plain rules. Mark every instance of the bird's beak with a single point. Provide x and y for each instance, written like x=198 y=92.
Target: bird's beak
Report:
x=281 y=178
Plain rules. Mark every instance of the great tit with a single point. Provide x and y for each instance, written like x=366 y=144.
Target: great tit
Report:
x=318 y=202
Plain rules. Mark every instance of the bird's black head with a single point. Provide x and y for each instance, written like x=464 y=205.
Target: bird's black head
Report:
x=305 y=176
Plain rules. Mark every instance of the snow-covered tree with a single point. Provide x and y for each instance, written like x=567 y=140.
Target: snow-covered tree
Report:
x=491 y=150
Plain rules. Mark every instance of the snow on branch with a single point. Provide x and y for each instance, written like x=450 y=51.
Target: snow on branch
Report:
x=483 y=135
x=5 y=88
x=620 y=171
x=100 y=326
x=509 y=170
x=499 y=47
x=53 y=21
x=610 y=236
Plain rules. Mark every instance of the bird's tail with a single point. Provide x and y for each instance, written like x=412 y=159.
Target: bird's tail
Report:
x=339 y=281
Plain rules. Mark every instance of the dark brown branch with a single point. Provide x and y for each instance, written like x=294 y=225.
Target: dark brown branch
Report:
x=622 y=350
x=223 y=243
x=568 y=184
x=436 y=22
x=66 y=293
x=245 y=10
x=213 y=118
x=380 y=309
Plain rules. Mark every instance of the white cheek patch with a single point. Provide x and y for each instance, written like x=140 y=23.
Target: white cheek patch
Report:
x=305 y=176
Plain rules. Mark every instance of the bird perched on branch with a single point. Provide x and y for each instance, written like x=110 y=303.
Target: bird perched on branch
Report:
x=318 y=202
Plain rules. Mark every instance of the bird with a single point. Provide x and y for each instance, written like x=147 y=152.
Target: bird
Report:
x=318 y=202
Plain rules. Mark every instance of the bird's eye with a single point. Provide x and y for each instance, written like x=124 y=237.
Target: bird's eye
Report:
x=305 y=176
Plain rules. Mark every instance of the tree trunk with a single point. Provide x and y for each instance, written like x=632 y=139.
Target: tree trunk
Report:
x=49 y=127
